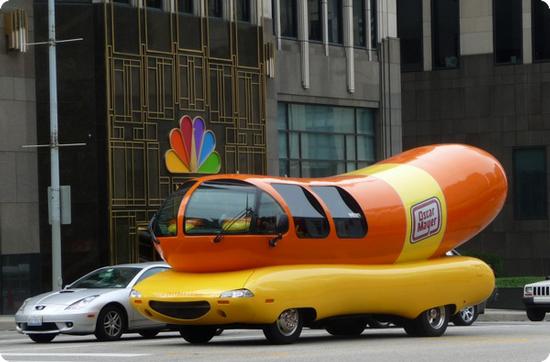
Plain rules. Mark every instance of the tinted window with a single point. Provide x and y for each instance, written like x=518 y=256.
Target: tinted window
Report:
x=215 y=8
x=530 y=197
x=243 y=10
x=110 y=277
x=347 y=215
x=315 y=20
x=409 y=31
x=157 y=4
x=288 y=18
x=359 y=23
x=185 y=6
x=335 y=21
x=151 y=272
x=309 y=219
x=229 y=207
x=165 y=223
x=541 y=30
x=373 y=24
x=508 y=31
x=445 y=33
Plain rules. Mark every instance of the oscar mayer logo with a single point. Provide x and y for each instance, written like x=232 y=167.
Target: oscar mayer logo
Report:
x=426 y=219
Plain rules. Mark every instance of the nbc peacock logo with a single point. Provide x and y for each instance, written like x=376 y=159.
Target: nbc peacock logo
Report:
x=193 y=148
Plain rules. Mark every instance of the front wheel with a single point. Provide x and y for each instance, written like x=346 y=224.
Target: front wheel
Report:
x=430 y=323
x=110 y=324
x=466 y=317
x=286 y=329
x=42 y=338
x=535 y=315
x=198 y=334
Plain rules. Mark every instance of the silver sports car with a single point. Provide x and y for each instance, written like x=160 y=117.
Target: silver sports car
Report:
x=96 y=303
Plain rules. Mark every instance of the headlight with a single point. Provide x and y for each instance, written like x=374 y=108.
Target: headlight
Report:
x=237 y=293
x=82 y=302
x=135 y=294
x=24 y=305
x=528 y=292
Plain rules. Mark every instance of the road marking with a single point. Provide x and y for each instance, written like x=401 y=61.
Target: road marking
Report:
x=121 y=355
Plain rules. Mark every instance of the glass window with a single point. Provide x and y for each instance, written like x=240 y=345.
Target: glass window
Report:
x=151 y=272
x=110 y=277
x=155 y=4
x=508 y=31
x=409 y=31
x=374 y=24
x=165 y=221
x=335 y=21
x=315 y=20
x=185 y=6
x=445 y=33
x=243 y=10
x=309 y=219
x=348 y=217
x=231 y=207
x=288 y=18
x=215 y=9
x=541 y=30
x=530 y=183
x=359 y=28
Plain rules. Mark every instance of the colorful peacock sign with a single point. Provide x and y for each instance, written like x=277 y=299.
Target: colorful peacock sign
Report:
x=193 y=148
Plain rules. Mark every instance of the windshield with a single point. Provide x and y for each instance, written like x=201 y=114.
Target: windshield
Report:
x=231 y=207
x=109 y=277
x=165 y=222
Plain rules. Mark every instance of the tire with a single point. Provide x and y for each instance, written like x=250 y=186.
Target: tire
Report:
x=42 y=338
x=110 y=324
x=198 y=334
x=286 y=329
x=466 y=317
x=149 y=333
x=430 y=323
x=350 y=328
x=535 y=315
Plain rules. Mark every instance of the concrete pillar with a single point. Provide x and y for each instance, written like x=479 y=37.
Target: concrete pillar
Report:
x=427 y=34
x=527 y=32
x=324 y=10
x=303 y=38
x=348 y=44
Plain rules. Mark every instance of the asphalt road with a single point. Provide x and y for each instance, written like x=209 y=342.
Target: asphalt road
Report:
x=484 y=341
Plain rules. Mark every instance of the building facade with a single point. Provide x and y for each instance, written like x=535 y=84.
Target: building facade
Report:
x=291 y=87
x=478 y=72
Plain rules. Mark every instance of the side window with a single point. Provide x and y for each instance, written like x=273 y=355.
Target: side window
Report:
x=151 y=272
x=165 y=222
x=269 y=212
x=309 y=219
x=348 y=218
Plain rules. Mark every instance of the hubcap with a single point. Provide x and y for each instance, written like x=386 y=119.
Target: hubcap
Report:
x=436 y=317
x=287 y=323
x=112 y=324
x=467 y=314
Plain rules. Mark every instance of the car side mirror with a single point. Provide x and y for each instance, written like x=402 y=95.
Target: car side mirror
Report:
x=144 y=235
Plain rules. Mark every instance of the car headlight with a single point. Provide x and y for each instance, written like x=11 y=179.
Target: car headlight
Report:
x=237 y=293
x=82 y=302
x=135 y=294
x=24 y=305
x=528 y=292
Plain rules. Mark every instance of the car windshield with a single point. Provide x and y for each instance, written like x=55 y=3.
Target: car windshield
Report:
x=110 y=277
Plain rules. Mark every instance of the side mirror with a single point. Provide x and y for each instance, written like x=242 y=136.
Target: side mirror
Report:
x=144 y=235
x=282 y=224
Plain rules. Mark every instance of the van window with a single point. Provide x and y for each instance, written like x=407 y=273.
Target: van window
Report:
x=310 y=220
x=231 y=207
x=165 y=222
x=348 y=217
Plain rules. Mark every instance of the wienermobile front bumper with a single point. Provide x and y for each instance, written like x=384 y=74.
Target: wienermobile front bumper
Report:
x=257 y=297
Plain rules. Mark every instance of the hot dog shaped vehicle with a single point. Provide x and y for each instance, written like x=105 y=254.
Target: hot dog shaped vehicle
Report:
x=280 y=253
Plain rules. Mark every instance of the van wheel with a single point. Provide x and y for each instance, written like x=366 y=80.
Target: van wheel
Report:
x=430 y=323
x=466 y=316
x=286 y=329
x=198 y=334
x=346 y=328
x=535 y=315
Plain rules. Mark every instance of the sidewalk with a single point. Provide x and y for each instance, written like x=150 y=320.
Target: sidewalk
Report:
x=7 y=322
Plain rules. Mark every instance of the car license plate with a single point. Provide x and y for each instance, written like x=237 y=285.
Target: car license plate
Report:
x=34 y=321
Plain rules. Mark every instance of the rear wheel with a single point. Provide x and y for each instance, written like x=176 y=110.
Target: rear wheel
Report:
x=286 y=329
x=466 y=317
x=198 y=334
x=42 y=338
x=346 y=328
x=430 y=323
x=535 y=315
x=110 y=324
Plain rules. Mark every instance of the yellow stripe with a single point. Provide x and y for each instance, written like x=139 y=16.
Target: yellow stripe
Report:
x=413 y=185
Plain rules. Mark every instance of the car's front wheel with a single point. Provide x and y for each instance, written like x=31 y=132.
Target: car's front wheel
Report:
x=42 y=338
x=430 y=323
x=466 y=317
x=198 y=334
x=286 y=329
x=110 y=324
x=535 y=315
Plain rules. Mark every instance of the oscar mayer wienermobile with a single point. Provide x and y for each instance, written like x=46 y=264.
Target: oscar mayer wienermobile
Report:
x=280 y=253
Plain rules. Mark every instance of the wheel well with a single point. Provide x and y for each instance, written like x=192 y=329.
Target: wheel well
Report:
x=122 y=309
x=308 y=315
x=452 y=309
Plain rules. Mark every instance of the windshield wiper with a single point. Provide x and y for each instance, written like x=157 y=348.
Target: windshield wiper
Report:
x=246 y=212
